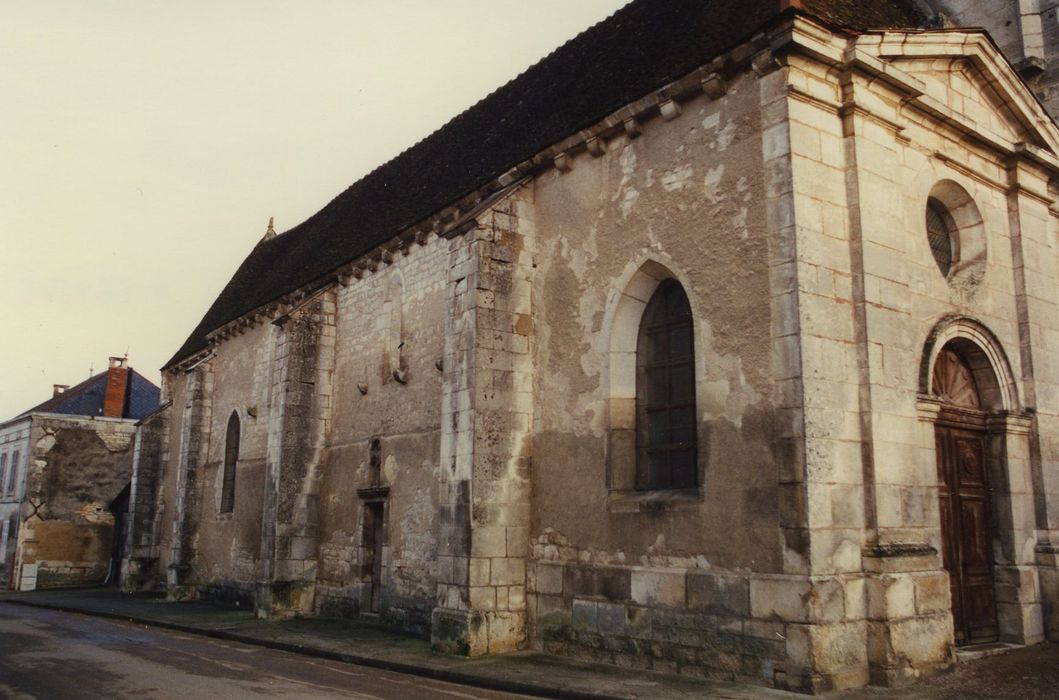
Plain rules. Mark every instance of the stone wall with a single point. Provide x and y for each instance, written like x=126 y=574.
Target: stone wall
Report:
x=388 y=378
x=874 y=306
x=140 y=568
x=662 y=579
x=77 y=468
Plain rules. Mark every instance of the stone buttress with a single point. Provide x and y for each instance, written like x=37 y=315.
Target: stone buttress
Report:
x=485 y=445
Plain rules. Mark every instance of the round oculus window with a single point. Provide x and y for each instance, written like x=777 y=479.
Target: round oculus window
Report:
x=939 y=233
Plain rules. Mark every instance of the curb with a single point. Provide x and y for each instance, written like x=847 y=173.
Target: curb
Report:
x=439 y=674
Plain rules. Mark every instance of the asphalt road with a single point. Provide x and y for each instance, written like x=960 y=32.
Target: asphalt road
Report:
x=46 y=654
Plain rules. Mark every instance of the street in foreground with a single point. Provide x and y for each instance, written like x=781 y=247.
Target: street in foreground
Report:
x=46 y=654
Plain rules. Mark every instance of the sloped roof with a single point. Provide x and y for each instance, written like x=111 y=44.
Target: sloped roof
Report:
x=86 y=399
x=641 y=47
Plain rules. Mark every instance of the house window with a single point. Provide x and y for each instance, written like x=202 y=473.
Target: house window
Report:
x=231 y=456
x=12 y=476
x=3 y=468
x=940 y=229
x=666 y=442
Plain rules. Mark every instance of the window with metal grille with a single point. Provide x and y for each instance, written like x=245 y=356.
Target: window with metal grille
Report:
x=231 y=456
x=666 y=442
x=939 y=233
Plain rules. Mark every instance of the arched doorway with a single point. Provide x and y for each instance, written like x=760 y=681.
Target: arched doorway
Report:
x=961 y=376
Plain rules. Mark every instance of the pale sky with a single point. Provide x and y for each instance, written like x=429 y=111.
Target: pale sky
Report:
x=144 y=145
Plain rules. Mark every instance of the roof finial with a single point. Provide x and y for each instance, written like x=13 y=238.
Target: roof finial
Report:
x=271 y=232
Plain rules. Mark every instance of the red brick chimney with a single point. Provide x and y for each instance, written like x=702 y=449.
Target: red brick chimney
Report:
x=117 y=382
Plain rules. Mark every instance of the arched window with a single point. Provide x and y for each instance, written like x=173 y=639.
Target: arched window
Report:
x=231 y=456
x=666 y=442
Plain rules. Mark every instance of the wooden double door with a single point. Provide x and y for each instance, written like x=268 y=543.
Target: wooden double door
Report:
x=967 y=530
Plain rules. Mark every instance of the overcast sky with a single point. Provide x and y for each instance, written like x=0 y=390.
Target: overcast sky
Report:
x=144 y=145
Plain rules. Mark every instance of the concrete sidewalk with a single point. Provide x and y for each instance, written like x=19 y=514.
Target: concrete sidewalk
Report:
x=526 y=672
x=1022 y=674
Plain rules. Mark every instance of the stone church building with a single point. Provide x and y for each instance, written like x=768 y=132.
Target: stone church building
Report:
x=723 y=340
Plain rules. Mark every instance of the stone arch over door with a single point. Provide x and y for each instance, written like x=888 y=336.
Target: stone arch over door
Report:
x=968 y=392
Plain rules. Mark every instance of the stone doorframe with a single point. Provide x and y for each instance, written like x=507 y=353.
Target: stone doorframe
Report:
x=1009 y=430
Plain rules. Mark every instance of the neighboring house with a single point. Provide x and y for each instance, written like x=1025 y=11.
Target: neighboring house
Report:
x=65 y=467
x=724 y=340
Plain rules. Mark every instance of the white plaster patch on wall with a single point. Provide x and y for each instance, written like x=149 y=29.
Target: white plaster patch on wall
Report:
x=712 y=184
x=739 y=222
x=677 y=178
x=389 y=469
x=725 y=136
x=626 y=192
x=724 y=390
x=629 y=201
x=116 y=442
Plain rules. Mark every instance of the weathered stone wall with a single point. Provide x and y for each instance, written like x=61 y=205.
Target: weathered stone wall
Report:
x=140 y=569
x=77 y=468
x=656 y=579
x=874 y=310
x=388 y=374
x=174 y=391
x=226 y=545
x=486 y=436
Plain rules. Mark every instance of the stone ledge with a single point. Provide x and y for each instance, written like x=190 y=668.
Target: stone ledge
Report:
x=654 y=501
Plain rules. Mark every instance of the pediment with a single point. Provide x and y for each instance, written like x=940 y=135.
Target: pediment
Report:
x=964 y=88
x=967 y=76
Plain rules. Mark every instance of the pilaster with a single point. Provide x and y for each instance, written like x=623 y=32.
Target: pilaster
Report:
x=298 y=430
x=194 y=441
x=150 y=461
x=485 y=448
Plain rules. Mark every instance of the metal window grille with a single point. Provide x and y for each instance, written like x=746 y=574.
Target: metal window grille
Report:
x=666 y=423
x=939 y=233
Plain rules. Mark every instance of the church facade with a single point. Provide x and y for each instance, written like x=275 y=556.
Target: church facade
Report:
x=738 y=356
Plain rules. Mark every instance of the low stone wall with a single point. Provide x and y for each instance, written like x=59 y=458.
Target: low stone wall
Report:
x=796 y=632
x=410 y=615
x=661 y=619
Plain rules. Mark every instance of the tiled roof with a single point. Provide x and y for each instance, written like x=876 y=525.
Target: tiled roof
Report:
x=639 y=48
x=86 y=399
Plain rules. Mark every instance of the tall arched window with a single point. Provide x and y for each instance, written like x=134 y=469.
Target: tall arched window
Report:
x=231 y=456
x=666 y=442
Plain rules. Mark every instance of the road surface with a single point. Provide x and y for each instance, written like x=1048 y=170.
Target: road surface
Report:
x=46 y=654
